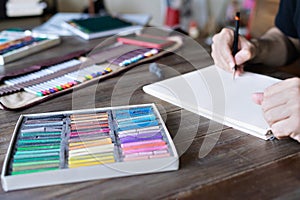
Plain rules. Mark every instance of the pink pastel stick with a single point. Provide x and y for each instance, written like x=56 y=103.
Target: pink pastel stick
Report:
x=145 y=149
x=144 y=157
x=148 y=153
x=139 y=143
x=77 y=133
x=160 y=155
x=160 y=152
x=136 y=158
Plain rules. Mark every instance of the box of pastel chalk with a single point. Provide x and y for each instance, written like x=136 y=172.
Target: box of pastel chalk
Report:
x=73 y=146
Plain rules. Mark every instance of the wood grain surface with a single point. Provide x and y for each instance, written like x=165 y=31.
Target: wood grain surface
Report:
x=216 y=162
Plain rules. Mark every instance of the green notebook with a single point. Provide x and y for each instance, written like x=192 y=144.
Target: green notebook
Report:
x=100 y=26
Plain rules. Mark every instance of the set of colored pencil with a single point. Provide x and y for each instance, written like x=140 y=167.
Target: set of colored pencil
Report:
x=18 y=43
x=54 y=78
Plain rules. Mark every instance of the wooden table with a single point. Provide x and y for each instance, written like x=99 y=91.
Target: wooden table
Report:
x=216 y=162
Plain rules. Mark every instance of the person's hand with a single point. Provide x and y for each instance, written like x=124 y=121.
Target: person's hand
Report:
x=222 y=51
x=281 y=108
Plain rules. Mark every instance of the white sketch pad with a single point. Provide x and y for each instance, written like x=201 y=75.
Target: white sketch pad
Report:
x=211 y=92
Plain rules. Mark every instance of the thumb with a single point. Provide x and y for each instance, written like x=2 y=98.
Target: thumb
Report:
x=258 y=97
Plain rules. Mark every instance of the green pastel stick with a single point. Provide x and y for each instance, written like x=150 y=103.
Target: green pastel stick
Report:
x=23 y=160
x=32 y=142
x=40 y=137
x=39 y=141
x=20 y=168
x=36 y=163
x=37 y=151
x=36 y=155
x=33 y=171
x=37 y=147
x=28 y=134
x=38 y=144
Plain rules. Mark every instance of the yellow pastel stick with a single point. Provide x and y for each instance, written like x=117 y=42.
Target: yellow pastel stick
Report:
x=90 y=164
x=86 y=143
x=84 y=146
x=96 y=156
x=91 y=160
x=88 y=138
x=92 y=150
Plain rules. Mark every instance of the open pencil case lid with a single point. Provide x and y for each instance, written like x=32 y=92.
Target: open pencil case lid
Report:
x=107 y=57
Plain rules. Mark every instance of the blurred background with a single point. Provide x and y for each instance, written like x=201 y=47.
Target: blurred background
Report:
x=200 y=18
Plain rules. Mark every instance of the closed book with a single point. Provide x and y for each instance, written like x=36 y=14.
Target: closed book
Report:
x=100 y=26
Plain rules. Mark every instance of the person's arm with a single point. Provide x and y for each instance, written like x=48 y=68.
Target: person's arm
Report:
x=275 y=49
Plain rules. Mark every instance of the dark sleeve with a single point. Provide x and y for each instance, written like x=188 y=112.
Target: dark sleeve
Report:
x=285 y=17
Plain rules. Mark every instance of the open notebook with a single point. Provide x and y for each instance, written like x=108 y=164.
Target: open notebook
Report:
x=212 y=93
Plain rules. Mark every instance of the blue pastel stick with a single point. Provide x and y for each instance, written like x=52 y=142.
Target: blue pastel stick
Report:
x=45 y=124
x=137 y=125
x=42 y=129
x=137 y=119
x=133 y=112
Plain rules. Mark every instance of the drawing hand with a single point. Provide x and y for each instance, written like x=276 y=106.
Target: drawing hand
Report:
x=222 y=53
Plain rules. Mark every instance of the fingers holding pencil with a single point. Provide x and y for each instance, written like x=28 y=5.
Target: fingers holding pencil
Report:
x=244 y=54
x=222 y=53
x=221 y=49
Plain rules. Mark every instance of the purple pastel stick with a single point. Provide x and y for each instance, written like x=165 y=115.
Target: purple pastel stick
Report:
x=128 y=139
